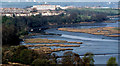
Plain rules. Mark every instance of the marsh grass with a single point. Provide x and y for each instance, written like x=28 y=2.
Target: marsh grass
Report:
x=39 y=40
x=106 y=31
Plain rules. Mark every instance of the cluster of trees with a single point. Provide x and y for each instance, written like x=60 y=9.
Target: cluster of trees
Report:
x=23 y=55
x=9 y=32
x=14 y=27
x=88 y=15
x=112 y=62
x=108 y=11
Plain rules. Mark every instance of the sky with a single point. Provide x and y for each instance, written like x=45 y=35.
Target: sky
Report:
x=60 y=0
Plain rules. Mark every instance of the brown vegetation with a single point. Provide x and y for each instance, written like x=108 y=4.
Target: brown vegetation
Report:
x=44 y=49
x=106 y=31
x=14 y=64
x=48 y=50
x=60 y=45
x=75 y=42
x=38 y=40
x=114 y=35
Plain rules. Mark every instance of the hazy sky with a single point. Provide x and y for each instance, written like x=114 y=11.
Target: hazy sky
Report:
x=60 y=0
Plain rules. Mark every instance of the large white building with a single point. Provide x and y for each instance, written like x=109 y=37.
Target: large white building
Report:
x=46 y=7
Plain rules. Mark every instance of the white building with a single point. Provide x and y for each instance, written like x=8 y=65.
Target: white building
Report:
x=13 y=10
x=46 y=7
x=18 y=14
x=8 y=14
x=51 y=13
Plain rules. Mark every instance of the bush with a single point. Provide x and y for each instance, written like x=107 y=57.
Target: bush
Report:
x=19 y=54
x=38 y=62
x=9 y=32
x=68 y=58
x=54 y=58
x=88 y=59
x=112 y=62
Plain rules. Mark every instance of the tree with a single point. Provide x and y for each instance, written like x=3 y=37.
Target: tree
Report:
x=112 y=62
x=77 y=59
x=54 y=58
x=9 y=35
x=38 y=62
x=34 y=10
x=68 y=58
x=88 y=59
x=19 y=54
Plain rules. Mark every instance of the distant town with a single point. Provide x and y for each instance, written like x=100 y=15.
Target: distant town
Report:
x=43 y=9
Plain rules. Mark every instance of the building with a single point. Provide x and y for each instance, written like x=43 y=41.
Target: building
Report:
x=51 y=13
x=6 y=14
x=18 y=14
x=44 y=10
x=13 y=10
x=45 y=7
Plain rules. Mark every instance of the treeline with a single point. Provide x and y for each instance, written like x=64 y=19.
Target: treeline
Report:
x=14 y=27
x=23 y=55
x=82 y=15
x=108 y=11
x=9 y=32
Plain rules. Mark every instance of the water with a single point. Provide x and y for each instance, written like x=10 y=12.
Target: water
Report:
x=91 y=43
x=97 y=44
x=76 y=4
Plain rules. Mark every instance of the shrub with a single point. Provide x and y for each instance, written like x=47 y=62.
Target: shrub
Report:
x=88 y=58
x=38 y=62
x=68 y=58
x=112 y=62
x=19 y=54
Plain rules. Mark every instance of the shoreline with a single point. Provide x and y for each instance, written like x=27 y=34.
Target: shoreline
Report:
x=41 y=32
